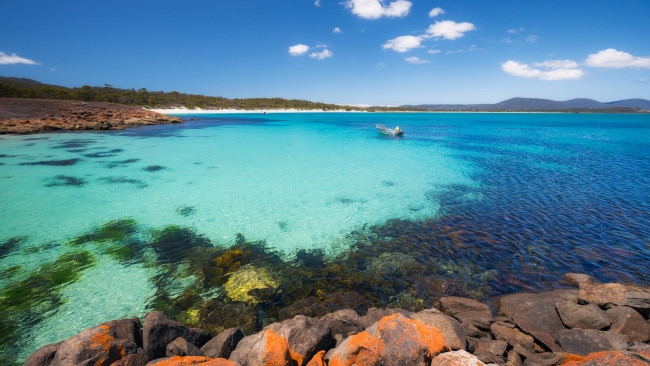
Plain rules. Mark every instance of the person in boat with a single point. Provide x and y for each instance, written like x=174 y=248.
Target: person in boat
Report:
x=397 y=130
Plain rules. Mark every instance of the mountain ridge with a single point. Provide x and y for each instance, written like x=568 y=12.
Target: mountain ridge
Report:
x=539 y=104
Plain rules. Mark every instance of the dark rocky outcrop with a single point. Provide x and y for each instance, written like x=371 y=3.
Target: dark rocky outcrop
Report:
x=23 y=116
x=553 y=328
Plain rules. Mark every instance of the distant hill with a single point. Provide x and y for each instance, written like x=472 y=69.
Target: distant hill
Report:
x=536 y=104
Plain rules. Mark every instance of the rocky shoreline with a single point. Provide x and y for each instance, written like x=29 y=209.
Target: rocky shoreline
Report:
x=25 y=116
x=594 y=324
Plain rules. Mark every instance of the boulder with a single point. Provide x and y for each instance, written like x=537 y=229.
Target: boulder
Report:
x=305 y=337
x=468 y=311
x=159 y=331
x=629 y=322
x=602 y=294
x=343 y=323
x=456 y=358
x=576 y=278
x=375 y=314
x=43 y=356
x=587 y=316
x=181 y=347
x=223 y=344
x=263 y=348
x=608 y=358
x=192 y=361
x=318 y=359
x=536 y=314
x=134 y=359
x=100 y=345
x=498 y=347
x=543 y=359
x=585 y=341
x=452 y=330
x=394 y=340
x=512 y=335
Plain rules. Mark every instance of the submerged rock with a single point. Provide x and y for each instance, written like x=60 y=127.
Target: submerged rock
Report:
x=251 y=284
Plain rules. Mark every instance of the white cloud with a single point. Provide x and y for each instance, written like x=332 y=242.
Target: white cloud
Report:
x=449 y=29
x=514 y=30
x=434 y=52
x=298 y=50
x=317 y=3
x=12 y=59
x=375 y=9
x=532 y=38
x=416 y=60
x=435 y=12
x=403 y=43
x=547 y=70
x=337 y=30
x=611 y=58
x=322 y=54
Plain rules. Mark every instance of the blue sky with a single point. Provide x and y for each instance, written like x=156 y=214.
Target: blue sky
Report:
x=339 y=51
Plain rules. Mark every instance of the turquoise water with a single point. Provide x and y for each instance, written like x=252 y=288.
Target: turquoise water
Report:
x=484 y=203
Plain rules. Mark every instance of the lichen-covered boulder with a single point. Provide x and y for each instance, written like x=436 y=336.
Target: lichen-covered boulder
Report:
x=100 y=345
x=250 y=284
x=394 y=340
x=305 y=336
x=192 y=361
x=605 y=358
x=452 y=330
x=265 y=348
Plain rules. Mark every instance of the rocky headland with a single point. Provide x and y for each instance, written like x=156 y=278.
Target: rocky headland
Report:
x=23 y=116
x=593 y=324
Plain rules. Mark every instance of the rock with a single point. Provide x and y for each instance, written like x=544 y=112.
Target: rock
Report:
x=543 y=359
x=602 y=294
x=343 y=323
x=135 y=359
x=43 y=356
x=160 y=331
x=251 y=284
x=394 y=340
x=318 y=359
x=223 y=344
x=514 y=359
x=608 y=358
x=469 y=311
x=576 y=278
x=192 y=361
x=629 y=322
x=497 y=347
x=305 y=337
x=512 y=335
x=585 y=341
x=536 y=314
x=587 y=316
x=100 y=345
x=181 y=347
x=451 y=329
x=456 y=358
x=263 y=348
x=375 y=314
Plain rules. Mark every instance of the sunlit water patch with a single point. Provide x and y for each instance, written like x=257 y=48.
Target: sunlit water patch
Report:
x=241 y=220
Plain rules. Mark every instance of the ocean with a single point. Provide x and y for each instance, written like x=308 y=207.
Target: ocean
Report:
x=96 y=226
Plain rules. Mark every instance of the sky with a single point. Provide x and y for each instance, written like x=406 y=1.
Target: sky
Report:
x=357 y=52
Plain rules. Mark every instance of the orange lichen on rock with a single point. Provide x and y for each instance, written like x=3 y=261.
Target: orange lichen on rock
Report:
x=104 y=341
x=318 y=359
x=193 y=361
x=605 y=358
x=392 y=340
x=276 y=349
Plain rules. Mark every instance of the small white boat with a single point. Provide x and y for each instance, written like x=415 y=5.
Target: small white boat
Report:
x=390 y=132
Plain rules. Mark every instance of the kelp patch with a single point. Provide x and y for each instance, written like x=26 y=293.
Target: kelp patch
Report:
x=65 y=181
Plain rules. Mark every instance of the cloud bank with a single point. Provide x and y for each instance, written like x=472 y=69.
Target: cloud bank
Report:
x=614 y=59
x=547 y=70
x=375 y=9
x=13 y=59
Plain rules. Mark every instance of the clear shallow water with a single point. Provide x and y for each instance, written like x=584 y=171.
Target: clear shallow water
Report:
x=469 y=204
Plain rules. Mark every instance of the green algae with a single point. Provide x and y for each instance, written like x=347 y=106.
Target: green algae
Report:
x=11 y=245
x=115 y=231
x=173 y=243
x=65 y=181
x=186 y=211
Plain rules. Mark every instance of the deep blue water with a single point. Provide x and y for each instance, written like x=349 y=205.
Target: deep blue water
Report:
x=468 y=204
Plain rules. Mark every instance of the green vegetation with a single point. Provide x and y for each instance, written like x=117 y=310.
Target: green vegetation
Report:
x=26 y=88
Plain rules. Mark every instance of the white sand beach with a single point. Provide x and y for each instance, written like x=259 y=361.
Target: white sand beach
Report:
x=185 y=111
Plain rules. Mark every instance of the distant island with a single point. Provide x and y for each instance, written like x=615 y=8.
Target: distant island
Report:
x=11 y=87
